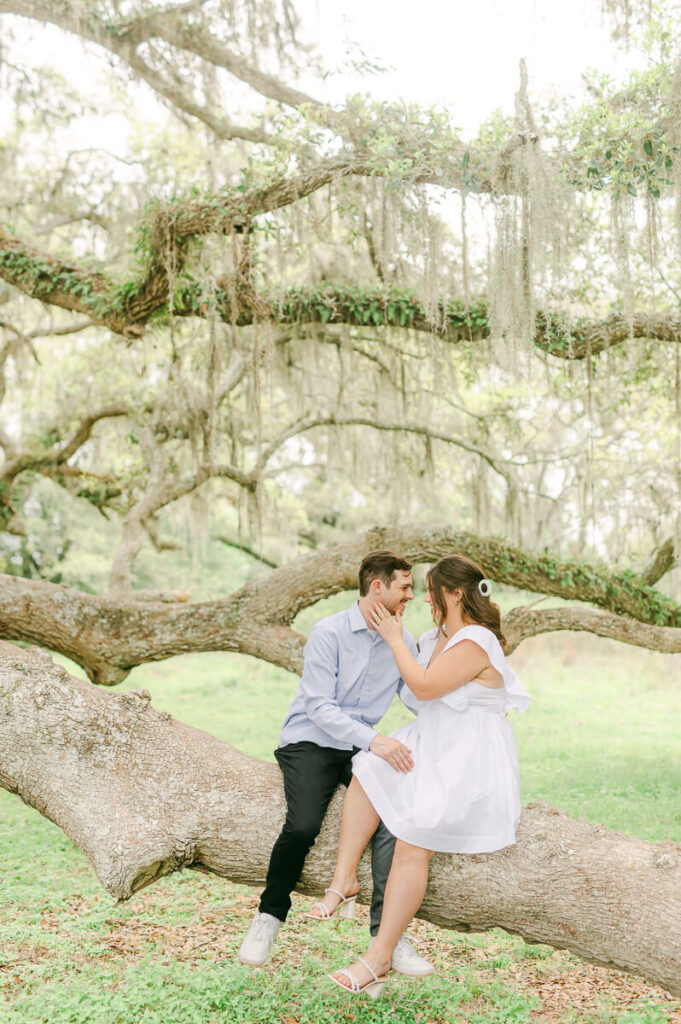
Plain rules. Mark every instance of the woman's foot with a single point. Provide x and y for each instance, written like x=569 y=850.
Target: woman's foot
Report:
x=363 y=976
x=336 y=896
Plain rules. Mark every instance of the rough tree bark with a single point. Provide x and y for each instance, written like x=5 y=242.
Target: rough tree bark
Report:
x=142 y=795
x=108 y=636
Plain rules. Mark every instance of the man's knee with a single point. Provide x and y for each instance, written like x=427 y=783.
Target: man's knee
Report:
x=302 y=832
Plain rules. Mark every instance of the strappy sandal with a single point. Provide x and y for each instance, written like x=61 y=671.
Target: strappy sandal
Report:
x=373 y=987
x=346 y=908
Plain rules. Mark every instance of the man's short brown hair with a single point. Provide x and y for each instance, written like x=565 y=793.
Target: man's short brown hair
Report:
x=380 y=565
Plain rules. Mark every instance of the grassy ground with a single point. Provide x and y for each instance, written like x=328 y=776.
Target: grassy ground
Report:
x=601 y=741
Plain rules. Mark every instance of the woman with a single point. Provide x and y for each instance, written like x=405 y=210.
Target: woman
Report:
x=463 y=793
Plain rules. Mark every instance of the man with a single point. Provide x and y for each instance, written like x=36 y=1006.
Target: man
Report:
x=349 y=679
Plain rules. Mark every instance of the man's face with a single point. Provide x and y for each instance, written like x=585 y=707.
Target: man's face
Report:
x=400 y=591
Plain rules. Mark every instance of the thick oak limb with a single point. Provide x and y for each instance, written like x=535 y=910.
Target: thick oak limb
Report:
x=110 y=635
x=663 y=561
x=68 y=286
x=318 y=575
x=198 y=40
x=554 y=335
x=59 y=283
x=142 y=795
x=524 y=622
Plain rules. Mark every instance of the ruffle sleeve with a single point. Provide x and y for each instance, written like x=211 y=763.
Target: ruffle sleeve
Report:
x=515 y=694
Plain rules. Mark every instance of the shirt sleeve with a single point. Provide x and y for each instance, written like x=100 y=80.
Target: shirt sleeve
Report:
x=318 y=687
x=403 y=691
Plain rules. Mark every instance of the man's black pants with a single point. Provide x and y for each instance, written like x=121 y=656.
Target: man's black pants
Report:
x=311 y=775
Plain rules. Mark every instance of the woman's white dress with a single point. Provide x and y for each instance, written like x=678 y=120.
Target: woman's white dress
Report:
x=463 y=793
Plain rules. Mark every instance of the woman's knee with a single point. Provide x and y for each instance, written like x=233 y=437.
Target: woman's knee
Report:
x=407 y=853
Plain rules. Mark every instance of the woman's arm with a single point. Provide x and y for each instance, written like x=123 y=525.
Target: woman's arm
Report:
x=461 y=663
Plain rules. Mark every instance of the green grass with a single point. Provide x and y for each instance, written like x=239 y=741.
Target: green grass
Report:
x=601 y=741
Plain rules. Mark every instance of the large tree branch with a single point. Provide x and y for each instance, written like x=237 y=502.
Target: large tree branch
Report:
x=126 y=309
x=524 y=622
x=142 y=795
x=197 y=39
x=663 y=561
x=110 y=635
x=57 y=455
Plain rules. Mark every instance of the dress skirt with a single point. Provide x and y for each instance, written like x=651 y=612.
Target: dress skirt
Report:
x=463 y=793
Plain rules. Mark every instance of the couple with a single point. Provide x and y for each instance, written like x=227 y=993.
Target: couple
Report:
x=447 y=781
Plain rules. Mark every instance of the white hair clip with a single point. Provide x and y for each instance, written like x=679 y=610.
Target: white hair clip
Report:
x=485 y=588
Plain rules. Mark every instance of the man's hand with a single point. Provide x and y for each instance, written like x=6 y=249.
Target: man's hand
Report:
x=392 y=751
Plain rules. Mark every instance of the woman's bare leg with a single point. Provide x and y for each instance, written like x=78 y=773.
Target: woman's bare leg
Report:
x=359 y=821
x=404 y=894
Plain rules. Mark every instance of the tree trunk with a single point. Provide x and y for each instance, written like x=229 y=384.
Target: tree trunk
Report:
x=142 y=795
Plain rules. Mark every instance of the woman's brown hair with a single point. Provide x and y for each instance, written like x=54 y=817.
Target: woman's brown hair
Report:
x=458 y=572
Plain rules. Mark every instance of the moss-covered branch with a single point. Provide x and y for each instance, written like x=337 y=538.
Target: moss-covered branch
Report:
x=117 y=632
x=126 y=308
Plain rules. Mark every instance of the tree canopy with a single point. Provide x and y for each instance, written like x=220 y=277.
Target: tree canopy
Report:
x=271 y=317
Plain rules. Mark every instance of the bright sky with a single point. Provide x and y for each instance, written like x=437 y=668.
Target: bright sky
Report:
x=461 y=54
x=464 y=54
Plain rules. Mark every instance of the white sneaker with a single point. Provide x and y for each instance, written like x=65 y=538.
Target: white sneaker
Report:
x=257 y=946
x=407 y=961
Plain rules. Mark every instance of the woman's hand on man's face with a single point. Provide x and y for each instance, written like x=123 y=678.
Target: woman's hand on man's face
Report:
x=389 y=627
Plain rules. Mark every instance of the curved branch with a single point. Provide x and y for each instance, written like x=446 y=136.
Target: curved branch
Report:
x=125 y=310
x=196 y=39
x=110 y=635
x=662 y=563
x=305 y=423
x=56 y=457
x=248 y=549
x=523 y=622
x=181 y=99
x=122 y=41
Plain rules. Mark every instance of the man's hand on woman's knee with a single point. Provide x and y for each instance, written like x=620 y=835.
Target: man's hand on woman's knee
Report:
x=392 y=751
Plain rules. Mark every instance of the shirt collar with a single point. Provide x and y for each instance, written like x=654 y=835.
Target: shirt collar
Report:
x=356 y=618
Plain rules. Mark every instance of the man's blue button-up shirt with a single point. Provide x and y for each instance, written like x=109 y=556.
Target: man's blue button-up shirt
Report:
x=349 y=679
